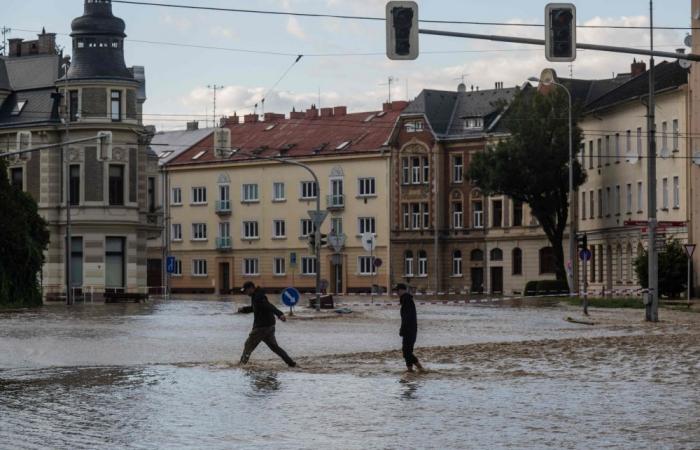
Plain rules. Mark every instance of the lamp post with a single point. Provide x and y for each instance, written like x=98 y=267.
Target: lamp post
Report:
x=66 y=161
x=572 y=234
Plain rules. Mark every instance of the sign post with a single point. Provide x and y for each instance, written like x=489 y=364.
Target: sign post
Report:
x=369 y=242
x=689 y=250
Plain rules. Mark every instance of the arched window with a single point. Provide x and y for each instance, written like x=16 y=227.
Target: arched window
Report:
x=496 y=254
x=547 y=263
x=422 y=264
x=477 y=255
x=408 y=263
x=457 y=263
x=517 y=261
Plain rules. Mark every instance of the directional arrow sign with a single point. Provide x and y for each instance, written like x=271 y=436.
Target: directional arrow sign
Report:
x=318 y=217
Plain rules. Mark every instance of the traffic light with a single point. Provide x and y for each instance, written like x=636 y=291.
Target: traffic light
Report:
x=312 y=240
x=324 y=240
x=560 y=32
x=582 y=240
x=104 y=145
x=402 y=30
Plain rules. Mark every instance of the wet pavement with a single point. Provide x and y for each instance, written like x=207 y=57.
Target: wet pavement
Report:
x=164 y=375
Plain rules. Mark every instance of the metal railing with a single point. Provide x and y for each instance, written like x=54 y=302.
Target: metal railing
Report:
x=335 y=201
x=223 y=206
x=224 y=243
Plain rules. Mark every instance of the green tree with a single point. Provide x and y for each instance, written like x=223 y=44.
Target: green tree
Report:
x=673 y=269
x=23 y=239
x=532 y=164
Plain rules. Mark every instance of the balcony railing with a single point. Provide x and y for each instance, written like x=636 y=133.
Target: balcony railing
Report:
x=224 y=243
x=223 y=207
x=336 y=201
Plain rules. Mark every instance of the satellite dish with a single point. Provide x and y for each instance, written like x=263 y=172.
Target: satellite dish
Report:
x=688 y=41
x=684 y=63
x=547 y=76
x=696 y=158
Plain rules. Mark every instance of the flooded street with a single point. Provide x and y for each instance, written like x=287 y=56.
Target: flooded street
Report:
x=165 y=375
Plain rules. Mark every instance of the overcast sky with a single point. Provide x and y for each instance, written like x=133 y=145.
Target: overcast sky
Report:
x=178 y=76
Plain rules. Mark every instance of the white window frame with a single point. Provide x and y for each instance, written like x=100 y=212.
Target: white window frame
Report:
x=413 y=126
x=278 y=188
x=176 y=232
x=279 y=266
x=425 y=169
x=406 y=211
x=676 y=135
x=199 y=195
x=199 y=268
x=478 y=215
x=251 y=267
x=308 y=265
x=457 y=215
x=366 y=225
x=618 y=200
x=277 y=226
x=640 y=197
x=415 y=170
x=362 y=265
x=199 y=232
x=337 y=225
x=405 y=170
x=408 y=265
x=676 y=192
x=416 y=216
x=629 y=198
x=664 y=193
x=250 y=230
x=425 y=209
x=366 y=187
x=176 y=196
x=308 y=190
x=457 y=169
x=457 y=265
x=250 y=193
x=177 y=270
x=306 y=228
x=422 y=265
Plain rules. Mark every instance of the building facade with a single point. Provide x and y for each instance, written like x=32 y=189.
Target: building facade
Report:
x=237 y=217
x=109 y=189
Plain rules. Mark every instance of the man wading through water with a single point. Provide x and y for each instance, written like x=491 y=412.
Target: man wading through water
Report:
x=409 y=327
x=264 y=314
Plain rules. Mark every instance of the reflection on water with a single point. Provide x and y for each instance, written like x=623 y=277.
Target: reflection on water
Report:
x=410 y=388
x=263 y=383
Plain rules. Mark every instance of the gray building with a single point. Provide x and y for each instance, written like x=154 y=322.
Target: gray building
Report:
x=111 y=191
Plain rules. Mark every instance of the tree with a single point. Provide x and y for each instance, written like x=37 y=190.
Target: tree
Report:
x=532 y=164
x=673 y=266
x=23 y=239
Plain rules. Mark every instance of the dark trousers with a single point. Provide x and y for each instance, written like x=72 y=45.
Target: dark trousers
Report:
x=407 y=348
x=266 y=335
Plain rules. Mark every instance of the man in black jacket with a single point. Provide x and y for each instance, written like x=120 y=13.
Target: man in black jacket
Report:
x=409 y=327
x=264 y=314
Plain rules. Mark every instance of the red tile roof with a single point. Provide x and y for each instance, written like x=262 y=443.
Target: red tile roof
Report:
x=302 y=137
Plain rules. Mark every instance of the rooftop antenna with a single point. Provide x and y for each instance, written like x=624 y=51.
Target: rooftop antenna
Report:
x=216 y=88
x=4 y=31
x=462 y=77
x=391 y=80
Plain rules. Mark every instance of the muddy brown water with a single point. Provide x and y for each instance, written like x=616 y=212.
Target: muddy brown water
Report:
x=164 y=375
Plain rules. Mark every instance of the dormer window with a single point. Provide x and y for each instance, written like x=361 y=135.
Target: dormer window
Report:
x=474 y=123
x=414 y=126
x=19 y=106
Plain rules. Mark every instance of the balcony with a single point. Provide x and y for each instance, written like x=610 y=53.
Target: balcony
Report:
x=223 y=207
x=224 y=244
x=335 y=202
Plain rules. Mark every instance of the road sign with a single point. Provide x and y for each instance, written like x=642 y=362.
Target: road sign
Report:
x=585 y=255
x=378 y=262
x=369 y=241
x=318 y=217
x=337 y=241
x=290 y=297
x=689 y=249
x=170 y=264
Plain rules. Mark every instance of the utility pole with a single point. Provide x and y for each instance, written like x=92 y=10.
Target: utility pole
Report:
x=66 y=155
x=4 y=31
x=391 y=80
x=216 y=88
x=652 y=306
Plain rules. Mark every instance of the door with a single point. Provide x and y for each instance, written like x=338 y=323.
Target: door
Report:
x=496 y=280
x=336 y=193
x=225 y=278
x=154 y=270
x=337 y=280
x=114 y=263
x=477 y=280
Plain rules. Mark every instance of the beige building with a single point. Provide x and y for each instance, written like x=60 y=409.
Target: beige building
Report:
x=235 y=217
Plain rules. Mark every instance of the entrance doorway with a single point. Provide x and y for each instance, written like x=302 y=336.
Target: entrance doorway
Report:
x=496 y=280
x=477 y=280
x=337 y=278
x=224 y=278
x=154 y=270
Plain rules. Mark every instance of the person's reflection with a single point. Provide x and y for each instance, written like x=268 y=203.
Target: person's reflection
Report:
x=409 y=389
x=263 y=382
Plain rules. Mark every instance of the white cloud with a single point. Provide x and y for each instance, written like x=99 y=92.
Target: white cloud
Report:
x=223 y=32
x=294 y=28
x=177 y=22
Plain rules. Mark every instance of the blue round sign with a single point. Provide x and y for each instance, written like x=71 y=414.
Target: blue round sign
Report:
x=585 y=255
x=290 y=297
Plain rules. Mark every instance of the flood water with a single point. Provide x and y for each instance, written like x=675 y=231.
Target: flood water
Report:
x=164 y=375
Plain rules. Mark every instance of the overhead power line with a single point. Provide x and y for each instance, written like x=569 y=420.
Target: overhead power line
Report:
x=370 y=18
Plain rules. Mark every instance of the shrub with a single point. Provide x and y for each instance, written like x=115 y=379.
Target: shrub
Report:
x=546 y=287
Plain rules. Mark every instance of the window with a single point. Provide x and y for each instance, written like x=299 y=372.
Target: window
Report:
x=76 y=260
x=414 y=126
x=547 y=261
x=600 y=202
x=308 y=265
x=607 y=205
x=676 y=192
x=366 y=187
x=497 y=213
x=415 y=208
x=426 y=170
x=426 y=215
x=457 y=263
x=664 y=193
x=199 y=267
x=225 y=230
x=617 y=147
x=639 y=141
x=176 y=232
x=590 y=154
x=406 y=211
x=116 y=110
x=415 y=170
x=478 y=212
x=307 y=227
x=517 y=214
x=116 y=185
x=607 y=153
x=366 y=225
x=457 y=215
x=600 y=152
x=365 y=264
x=278 y=192
x=617 y=200
x=73 y=112
x=199 y=231
x=405 y=171
x=628 y=142
x=583 y=156
x=337 y=225
x=250 y=193
x=250 y=267
x=224 y=198
x=477 y=255
x=408 y=263
x=664 y=138
x=422 y=264
x=308 y=190
x=517 y=262
x=199 y=155
x=151 y=193
x=177 y=270
x=199 y=196
x=496 y=254
x=474 y=122
x=279 y=229
x=457 y=169
x=583 y=205
x=593 y=260
x=279 y=266
x=17 y=178
x=628 y=199
x=176 y=198
x=675 y=135
x=114 y=262
x=591 y=211
x=640 y=197
x=250 y=230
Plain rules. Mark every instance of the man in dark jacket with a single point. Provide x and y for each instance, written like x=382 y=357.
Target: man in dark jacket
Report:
x=409 y=327
x=264 y=314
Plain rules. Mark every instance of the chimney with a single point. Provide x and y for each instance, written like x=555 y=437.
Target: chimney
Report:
x=312 y=112
x=47 y=43
x=638 y=67
x=398 y=105
x=297 y=115
x=273 y=116
x=386 y=107
x=340 y=111
x=193 y=126
x=499 y=85
x=326 y=112
x=250 y=118
x=15 y=46
x=230 y=120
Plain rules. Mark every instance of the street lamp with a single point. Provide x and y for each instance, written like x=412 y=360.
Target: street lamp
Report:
x=572 y=237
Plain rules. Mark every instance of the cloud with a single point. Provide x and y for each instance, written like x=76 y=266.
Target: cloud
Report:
x=177 y=22
x=294 y=28
x=223 y=32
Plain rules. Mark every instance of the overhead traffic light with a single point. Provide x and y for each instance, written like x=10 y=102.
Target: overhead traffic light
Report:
x=582 y=240
x=402 y=30
x=560 y=32
x=312 y=240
